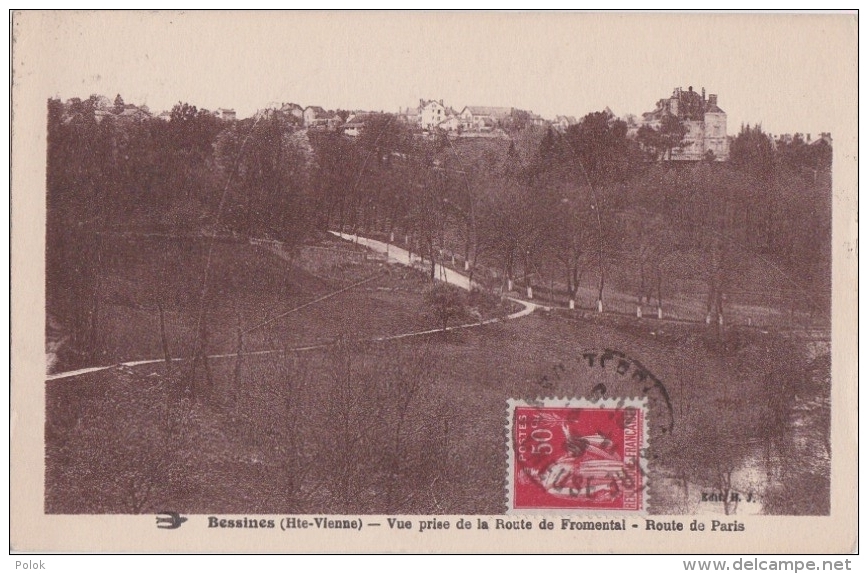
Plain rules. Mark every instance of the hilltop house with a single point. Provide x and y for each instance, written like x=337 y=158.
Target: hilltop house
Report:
x=451 y=124
x=226 y=114
x=704 y=120
x=294 y=110
x=431 y=113
x=355 y=124
x=561 y=123
x=482 y=118
x=410 y=116
x=317 y=117
x=537 y=120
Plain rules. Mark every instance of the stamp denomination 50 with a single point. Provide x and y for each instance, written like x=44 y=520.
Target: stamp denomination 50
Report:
x=577 y=455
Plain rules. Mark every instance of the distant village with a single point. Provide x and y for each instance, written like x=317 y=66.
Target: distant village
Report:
x=703 y=121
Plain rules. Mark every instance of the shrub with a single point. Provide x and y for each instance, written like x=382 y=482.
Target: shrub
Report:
x=446 y=302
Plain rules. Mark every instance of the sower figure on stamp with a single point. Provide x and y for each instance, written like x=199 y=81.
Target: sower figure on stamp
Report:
x=590 y=469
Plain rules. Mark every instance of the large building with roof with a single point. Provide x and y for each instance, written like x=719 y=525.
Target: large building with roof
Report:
x=431 y=113
x=483 y=117
x=704 y=120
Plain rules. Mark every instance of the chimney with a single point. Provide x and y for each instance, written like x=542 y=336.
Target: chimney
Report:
x=712 y=99
x=703 y=93
x=441 y=102
x=809 y=138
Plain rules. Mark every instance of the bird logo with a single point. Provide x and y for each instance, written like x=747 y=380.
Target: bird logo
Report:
x=170 y=520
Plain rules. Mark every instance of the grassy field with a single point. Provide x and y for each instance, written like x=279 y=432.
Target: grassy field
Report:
x=760 y=295
x=417 y=425
x=248 y=286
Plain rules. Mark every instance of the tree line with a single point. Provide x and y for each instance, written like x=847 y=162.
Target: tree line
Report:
x=594 y=204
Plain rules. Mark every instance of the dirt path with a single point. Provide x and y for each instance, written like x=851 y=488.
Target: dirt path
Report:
x=403 y=257
x=395 y=255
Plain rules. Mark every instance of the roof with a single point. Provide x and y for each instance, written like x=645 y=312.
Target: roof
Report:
x=357 y=121
x=691 y=106
x=316 y=109
x=487 y=111
x=133 y=112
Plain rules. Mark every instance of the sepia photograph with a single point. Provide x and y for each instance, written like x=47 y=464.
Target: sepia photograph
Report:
x=327 y=266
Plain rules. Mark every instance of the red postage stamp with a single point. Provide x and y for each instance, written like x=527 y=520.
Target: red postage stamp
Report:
x=577 y=455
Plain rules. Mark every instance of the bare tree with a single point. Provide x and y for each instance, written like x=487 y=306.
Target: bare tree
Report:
x=652 y=241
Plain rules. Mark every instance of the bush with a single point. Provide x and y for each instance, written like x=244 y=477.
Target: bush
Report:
x=485 y=301
x=445 y=302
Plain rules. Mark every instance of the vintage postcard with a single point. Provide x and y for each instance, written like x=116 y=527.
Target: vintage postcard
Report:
x=433 y=282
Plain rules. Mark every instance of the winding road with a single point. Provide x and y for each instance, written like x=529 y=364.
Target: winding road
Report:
x=395 y=255
x=442 y=273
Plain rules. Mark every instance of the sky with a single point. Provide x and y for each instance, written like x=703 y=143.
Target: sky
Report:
x=778 y=70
